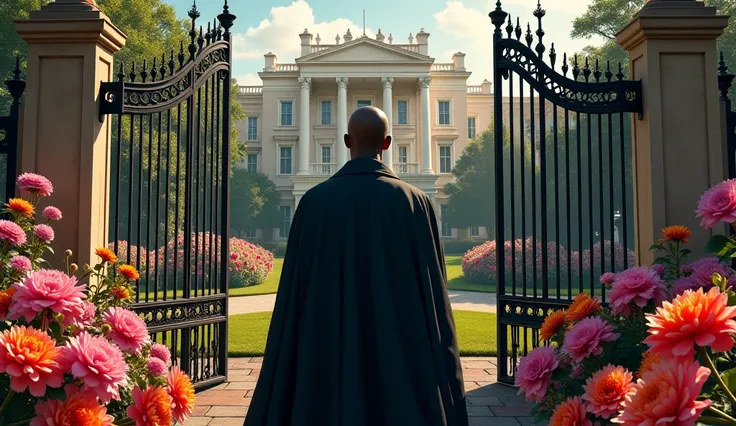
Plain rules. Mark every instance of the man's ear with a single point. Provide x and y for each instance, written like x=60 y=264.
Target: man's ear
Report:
x=386 y=142
x=346 y=139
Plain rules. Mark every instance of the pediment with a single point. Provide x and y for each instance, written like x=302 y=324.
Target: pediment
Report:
x=364 y=50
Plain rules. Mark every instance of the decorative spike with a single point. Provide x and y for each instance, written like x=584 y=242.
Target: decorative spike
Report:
x=208 y=35
x=16 y=70
x=162 y=70
x=121 y=73
x=597 y=72
x=575 y=68
x=214 y=30
x=193 y=14
x=172 y=64
x=154 y=70
x=226 y=21
x=132 y=74
x=529 y=37
x=722 y=67
x=498 y=17
x=180 y=57
x=517 y=30
x=552 y=56
x=144 y=73
x=509 y=27
x=539 y=14
x=608 y=73
x=586 y=70
x=620 y=73
x=200 y=39
x=565 y=67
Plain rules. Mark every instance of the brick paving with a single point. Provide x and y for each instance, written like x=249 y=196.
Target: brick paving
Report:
x=489 y=403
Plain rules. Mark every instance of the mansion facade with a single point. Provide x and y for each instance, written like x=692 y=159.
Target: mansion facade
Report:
x=296 y=118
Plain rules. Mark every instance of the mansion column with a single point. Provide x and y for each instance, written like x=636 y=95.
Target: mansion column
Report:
x=342 y=120
x=388 y=97
x=426 y=127
x=305 y=83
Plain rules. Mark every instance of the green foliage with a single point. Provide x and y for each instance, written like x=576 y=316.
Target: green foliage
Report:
x=254 y=201
x=459 y=247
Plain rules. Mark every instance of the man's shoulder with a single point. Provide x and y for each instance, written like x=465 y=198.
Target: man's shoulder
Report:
x=382 y=187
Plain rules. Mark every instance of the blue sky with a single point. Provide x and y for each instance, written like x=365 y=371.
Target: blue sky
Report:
x=459 y=25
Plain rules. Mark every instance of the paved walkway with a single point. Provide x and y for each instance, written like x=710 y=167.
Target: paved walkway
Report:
x=461 y=300
x=489 y=403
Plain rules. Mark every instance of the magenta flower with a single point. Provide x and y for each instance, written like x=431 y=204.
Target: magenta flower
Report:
x=47 y=289
x=535 y=371
x=718 y=204
x=608 y=278
x=129 y=331
x=587 y=337
x=156 y=367
x=12 y=233
x=638 y=286
x=44 y=232
x=683 y=284
x=35 y=184
x=87 y=316
x=20 y=263
x=99 y=364
x=51 y=213
x=161 y=352
x=658 y=269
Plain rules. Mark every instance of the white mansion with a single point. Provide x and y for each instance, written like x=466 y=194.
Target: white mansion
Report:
x=296 y=119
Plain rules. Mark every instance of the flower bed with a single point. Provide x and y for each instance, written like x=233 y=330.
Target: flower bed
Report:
x=71 y=352
x=661 y=352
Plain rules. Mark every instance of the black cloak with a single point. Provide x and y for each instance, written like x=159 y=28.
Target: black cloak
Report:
x=362 y=332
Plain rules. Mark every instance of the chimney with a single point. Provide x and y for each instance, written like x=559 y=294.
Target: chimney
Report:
x=337 y=39
x=270 y=62
x=348 y=36
x=379 y=36
x=458 y=59
x=306 y=42
x=486 y=87
x=422 y=39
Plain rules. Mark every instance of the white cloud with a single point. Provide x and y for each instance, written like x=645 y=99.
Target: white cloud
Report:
x=280 y=32
x=250 y=79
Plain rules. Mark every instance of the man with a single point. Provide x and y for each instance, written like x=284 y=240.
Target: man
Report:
x=362 y=332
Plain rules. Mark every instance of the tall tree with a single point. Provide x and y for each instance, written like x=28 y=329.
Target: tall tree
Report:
x=254 y=201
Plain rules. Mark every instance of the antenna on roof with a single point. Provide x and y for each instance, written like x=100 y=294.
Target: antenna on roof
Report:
x=363 y=22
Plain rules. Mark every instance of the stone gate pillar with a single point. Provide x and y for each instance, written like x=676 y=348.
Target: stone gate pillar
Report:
x=677 y=147
x=70 y=52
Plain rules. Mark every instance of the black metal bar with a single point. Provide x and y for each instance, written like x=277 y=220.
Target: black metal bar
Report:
x=512 y=173
x=624 y=212
x=590 y=204
x=611 y=200
x=580 y=200
x=149 y=191
x=601 y=207
x=218 y=186
x=205 y=235
x=158 y=207
x=522 y=145
x=166 y=206
x=179 y=142
x=568 y=190
x=557 y=198
x=533 y=141
x=139 y=240
x=131 y=177
x=543 y=195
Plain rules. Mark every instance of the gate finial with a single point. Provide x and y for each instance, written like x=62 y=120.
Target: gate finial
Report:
x=226 y=20
x=509 y=27
x=163 y=65
x=517 y=31
x=552 y=56
x=181 y=54
x=586 y=69
x=609 y=74
x=171 y=63
x=193 y=15
x=121 y=73
x=132 y=74
x=539 y=14
x=565 y=67
x=575 y=68
x=154 y=70
x=498 y=17
x=529 y=37
x=725 y=79
x=597 y=72
x=620 y=73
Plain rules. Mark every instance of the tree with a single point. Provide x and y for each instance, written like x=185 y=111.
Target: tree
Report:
x=254 y=201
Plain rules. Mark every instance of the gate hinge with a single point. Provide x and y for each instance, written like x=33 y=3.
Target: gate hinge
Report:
x=111 y=98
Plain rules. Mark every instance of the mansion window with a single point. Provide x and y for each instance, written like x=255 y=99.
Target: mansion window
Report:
x=403 y=112
x=444 y=113
x=285 y=160
x=475 y=231
x=403 y=155
x=446 y=229
x=252 y=163
x=252 y=128
x=363 y=103
x=446 y=159
x=326 y=159
x=326 y=112
x=471 y=127
x=285 y=221
x=287 y=113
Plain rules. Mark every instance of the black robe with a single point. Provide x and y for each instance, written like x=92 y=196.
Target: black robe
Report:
x=362 y=332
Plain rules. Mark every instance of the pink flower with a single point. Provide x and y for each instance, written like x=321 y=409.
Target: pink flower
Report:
x=606 y=390
x=35 y=184
x=156 y=367
x=31 y=360
x=638 y=286
x=98 y=363
x=570 y=413
x=20 y=263
x=535 y=371
x=87 y=316
x=718 y=204
x=12 y=233
x=161 y=352
x=587 y=337
x=44 y=232
x=658 y=269
x=79 y=408
x=702 y=271
x=608 y=278
x=128 y=329
x=47 y=289
x=51 y=213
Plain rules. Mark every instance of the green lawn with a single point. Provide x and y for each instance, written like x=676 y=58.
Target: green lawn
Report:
x=455 y=280
x=476 y=333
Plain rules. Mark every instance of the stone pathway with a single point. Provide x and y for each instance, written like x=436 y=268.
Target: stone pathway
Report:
x=461 y=300
x=489 y=403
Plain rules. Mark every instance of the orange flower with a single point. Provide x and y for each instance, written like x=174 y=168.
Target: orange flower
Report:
x=552 y=325
x=150 y=407
x=20 y=207
x=676 y=233
x=650 y=358
x=693 y=318
x=106 y=255
x=606 y=390
x=6 y=296
x=181 y=391
x=79 y=408
x=582 y=306
x=120 y=293
x=570 y=413
x=30 y=357
x=129 y=272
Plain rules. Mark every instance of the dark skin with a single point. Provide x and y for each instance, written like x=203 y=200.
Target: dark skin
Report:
x=368 y=133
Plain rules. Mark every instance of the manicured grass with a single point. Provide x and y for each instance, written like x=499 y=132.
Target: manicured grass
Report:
x=270 y=286
x=476 y=333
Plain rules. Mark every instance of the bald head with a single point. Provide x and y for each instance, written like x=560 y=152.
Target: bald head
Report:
x=367 y=133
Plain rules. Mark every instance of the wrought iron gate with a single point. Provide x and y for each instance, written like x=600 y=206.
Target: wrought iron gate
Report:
x=563 y=176
x=169 y=212
x=10 y=134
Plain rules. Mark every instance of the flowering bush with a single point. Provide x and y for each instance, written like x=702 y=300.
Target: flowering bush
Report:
x=662 y=352
x=71 y=352
x=249 y=263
